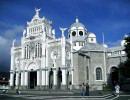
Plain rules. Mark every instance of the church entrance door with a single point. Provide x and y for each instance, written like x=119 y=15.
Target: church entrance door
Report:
x=33 y=79
x=114 y=76
x=50 y=79
x=14 y=80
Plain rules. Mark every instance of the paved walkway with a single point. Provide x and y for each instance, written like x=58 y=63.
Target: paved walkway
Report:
x=60 y=95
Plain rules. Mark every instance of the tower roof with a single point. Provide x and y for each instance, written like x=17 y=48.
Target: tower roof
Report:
x=77 y=24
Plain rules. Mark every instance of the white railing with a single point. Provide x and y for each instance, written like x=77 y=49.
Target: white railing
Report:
x=4 y=87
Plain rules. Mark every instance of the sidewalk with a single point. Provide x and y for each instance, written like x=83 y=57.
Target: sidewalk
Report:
x=54 y=92
x=60 y=95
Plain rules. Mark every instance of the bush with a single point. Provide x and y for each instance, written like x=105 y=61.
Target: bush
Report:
x=106 y=88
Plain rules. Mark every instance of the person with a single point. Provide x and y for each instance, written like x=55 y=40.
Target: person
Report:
x=87 y=89
x=83 y=89
x=17 y=91
x=70 y=85
x=5 y=91
x=117 y=89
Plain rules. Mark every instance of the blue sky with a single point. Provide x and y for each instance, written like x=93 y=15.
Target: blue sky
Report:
x=109 y=16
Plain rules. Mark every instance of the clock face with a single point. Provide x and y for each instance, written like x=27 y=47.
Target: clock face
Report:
x=54 y=55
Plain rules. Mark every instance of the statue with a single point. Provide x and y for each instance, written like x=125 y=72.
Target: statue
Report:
x=13 y=42
x=62 y=29
x=37 y=12
x=53 y=32
x=24 y=31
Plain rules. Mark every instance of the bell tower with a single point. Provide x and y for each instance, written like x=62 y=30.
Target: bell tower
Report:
x=38 y=26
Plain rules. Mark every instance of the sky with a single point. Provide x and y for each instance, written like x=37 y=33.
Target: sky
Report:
x=112 y=17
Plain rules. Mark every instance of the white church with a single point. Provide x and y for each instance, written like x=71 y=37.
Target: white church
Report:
x=43 y=60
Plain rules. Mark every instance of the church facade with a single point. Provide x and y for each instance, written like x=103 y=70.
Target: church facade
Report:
x=43 y=62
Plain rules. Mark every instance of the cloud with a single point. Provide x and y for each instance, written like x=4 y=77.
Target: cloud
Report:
x=113 y=44
x=5 y=54
x=14 y=31
x=3 y=41
x=7 y=34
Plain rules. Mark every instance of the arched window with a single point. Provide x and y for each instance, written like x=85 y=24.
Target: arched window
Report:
x=73 y=33
x=87 y=70
x=80 y=33
x=98 y=73
x=69 y=36
x=91 y=39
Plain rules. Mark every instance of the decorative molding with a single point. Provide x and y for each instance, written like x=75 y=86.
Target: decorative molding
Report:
x=38 y=69
x=53 y=68
x=43 y=69
x=63 y=68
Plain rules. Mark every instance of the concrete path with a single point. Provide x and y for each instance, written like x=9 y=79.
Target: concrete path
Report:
x=60 y=95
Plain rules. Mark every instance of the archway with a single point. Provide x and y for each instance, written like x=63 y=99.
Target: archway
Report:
x=31 y=67
x=114 y=75
x=59 y=78
x=50 y=79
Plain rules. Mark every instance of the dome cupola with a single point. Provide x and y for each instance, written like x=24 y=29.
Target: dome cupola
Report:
x=77 y=29
x=91 y=38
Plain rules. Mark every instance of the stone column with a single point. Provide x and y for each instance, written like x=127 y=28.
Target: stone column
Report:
x=38 y=78
x=11 y=79
x=26 y=79
x=37 y=50
x=63 y=68
x=72 y=68
x=17 y=78
x=72 y=72
x=22 y=78
x=47 y=73
x=26 y=52
x=12 y=61
x=47 y=78
x=54 y=78
x=43 y=62
x=43 y=78
x=63 y=77
x=104 y=59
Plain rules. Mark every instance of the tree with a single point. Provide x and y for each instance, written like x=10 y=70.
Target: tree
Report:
x=124 y=67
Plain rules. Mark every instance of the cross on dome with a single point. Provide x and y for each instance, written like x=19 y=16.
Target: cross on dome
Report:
x=77 y=20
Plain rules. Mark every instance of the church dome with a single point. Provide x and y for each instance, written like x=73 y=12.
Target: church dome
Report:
x=91 y=35
x=77 y=25
x=104 y=45
x=77 y=29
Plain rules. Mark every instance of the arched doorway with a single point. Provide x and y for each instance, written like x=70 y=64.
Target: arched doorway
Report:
x=114 y=75
x=59 y=78
x=50 y=78
x=31 y=67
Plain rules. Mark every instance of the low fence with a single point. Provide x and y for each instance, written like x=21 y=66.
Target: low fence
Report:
x=4 y=87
